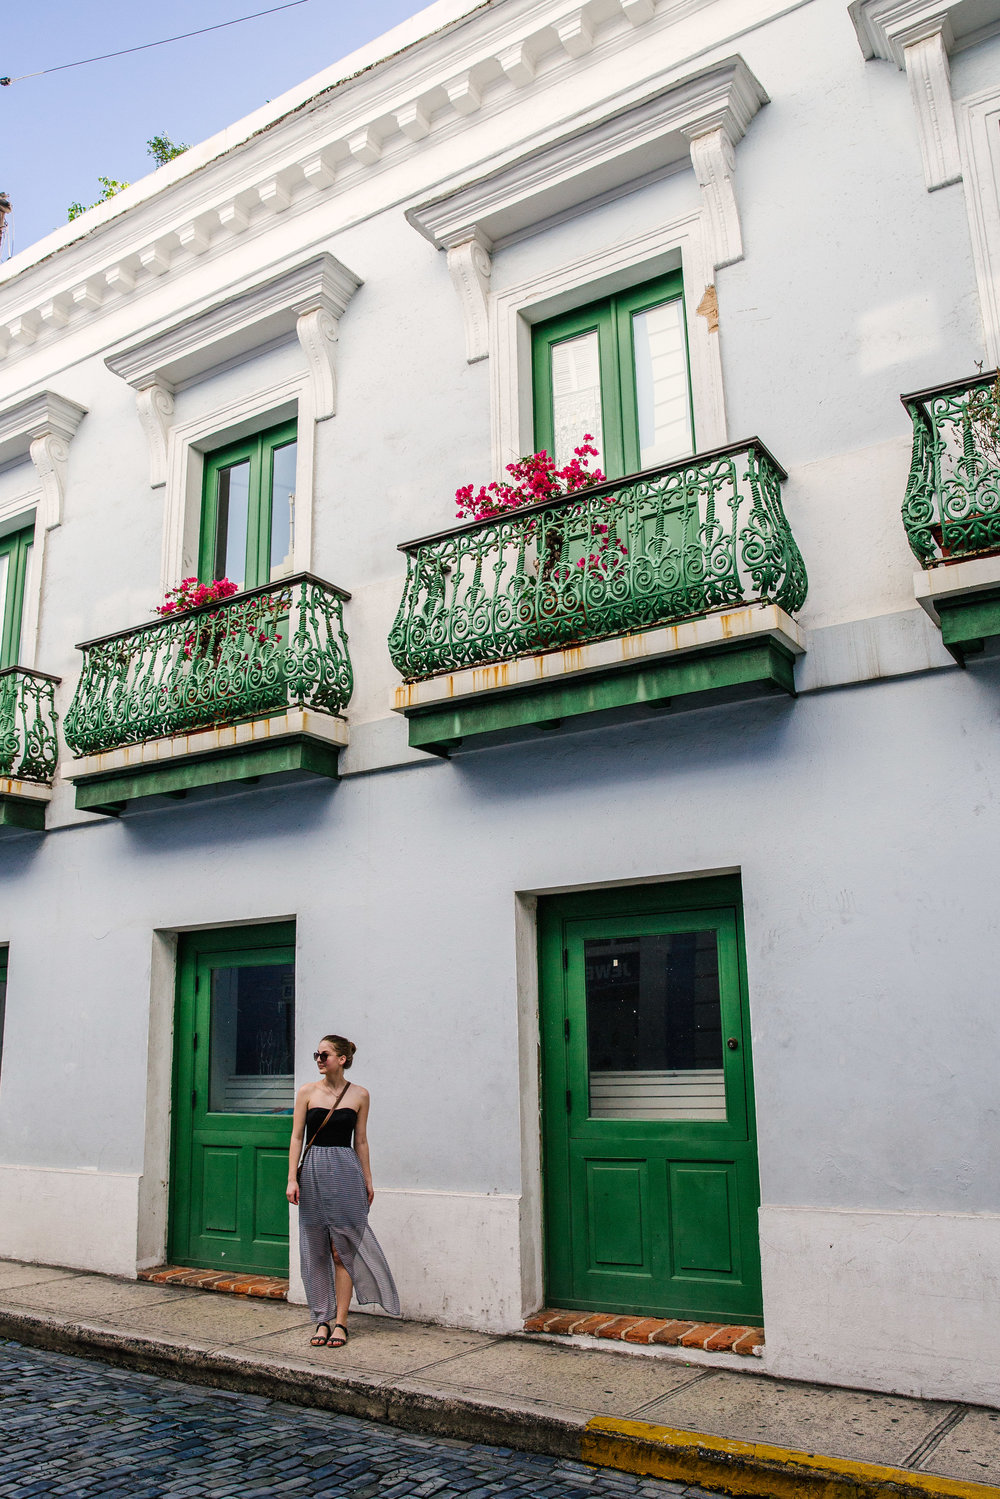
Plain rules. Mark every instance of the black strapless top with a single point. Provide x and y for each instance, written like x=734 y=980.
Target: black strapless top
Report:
x=338 y=1131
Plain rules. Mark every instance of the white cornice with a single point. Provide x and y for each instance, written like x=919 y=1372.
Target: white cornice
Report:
x=476 y=63
x=884 y=27
x=700 y=117
x=307 y=299
x=42 y=427
x=918 y=35
x=236 y=324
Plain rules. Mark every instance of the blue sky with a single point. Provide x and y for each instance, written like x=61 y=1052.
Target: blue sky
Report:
x=60 y=133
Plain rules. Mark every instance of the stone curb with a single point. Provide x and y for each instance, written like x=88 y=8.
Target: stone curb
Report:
x=716 y=1463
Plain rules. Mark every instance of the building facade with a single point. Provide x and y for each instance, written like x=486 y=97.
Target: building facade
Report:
x=640 y=839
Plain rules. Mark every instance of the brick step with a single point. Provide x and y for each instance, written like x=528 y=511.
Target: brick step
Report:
x=230 y=1281
x=713 y=1337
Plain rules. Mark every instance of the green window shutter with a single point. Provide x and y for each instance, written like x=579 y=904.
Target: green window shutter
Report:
x=15 y=552
x=247 y=507
x=615 y=325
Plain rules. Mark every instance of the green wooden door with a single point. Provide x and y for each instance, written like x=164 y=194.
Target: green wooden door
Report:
x=233 y=1097
x=651 y=1183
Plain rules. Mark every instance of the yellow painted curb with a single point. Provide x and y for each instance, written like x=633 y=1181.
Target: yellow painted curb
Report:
x=756 y=1468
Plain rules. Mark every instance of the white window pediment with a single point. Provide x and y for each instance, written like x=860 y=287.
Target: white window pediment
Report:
x=306 y=300
x=698 y=118
x=918 y=35
x=41 y=428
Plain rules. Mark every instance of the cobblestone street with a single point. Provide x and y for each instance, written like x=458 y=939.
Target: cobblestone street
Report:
x=76 y=1427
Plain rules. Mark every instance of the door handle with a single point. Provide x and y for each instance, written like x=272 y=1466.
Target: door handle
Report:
x=733 y=1044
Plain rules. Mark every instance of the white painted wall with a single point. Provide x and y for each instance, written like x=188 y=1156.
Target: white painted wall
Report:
x=864 y=820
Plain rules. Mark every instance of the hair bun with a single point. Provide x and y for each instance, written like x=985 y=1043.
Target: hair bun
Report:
x=343 y=1048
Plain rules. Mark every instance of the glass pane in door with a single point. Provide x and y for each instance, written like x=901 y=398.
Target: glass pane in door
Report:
x=661 y=384
x=576 y=397
x=282 y=511
x=232 y=517
x=654 y=1027
x=252 y=1029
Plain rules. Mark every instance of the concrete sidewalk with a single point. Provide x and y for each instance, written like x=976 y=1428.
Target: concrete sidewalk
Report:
x=726 y=1431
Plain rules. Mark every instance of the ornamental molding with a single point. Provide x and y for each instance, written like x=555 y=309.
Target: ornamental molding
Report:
x=696 y=119
x=42 y=428
x=328 y=143
x=918 y=35
x=307 y=300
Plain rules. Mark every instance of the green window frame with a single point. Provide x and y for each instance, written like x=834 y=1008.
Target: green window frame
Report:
x=15 y=552
x=262 y=520
x=612 y=319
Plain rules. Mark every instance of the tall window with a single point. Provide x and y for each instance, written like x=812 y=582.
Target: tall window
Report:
x=248 y=510
x=15 y=558
x=618 y=369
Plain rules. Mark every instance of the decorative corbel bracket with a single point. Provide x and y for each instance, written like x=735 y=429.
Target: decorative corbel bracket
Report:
x=155 y=404
x=307 y=301
x=470 y=266
x=42 y=428
x=917 y=36
x=714 y=162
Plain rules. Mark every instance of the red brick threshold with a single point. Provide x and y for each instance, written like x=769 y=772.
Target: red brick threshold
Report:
x=713 y=1337
x=270 y=1286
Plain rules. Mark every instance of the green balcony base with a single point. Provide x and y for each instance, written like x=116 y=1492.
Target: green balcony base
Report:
x=21 y=814
x=970 y=626
x=758 y=667
x=295 y=757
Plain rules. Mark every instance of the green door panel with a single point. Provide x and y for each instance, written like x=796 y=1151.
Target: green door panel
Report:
x=703 y=1218
x=219 y=1198
x=271 y=1209
x=651 y=1188
x=617 y=1211
x=233 y=1099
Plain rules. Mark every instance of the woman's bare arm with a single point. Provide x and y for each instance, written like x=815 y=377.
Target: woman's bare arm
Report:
x=361 y=1141
x=295 y=1145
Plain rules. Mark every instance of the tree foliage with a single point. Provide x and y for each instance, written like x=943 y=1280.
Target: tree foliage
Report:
x=111 y=187
x=160 y=147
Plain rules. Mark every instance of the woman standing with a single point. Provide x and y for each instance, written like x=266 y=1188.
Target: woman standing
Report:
x=338 y=1251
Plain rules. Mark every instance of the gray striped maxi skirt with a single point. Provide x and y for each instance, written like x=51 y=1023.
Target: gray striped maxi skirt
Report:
x=333 y=1209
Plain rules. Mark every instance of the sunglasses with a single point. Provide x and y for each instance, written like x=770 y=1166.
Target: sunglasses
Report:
x=321 y=1056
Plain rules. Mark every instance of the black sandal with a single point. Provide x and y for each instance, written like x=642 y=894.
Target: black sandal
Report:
x=318 y=1341
x=338 y=1342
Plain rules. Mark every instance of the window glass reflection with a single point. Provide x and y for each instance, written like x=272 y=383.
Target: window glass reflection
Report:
x=654 y=1027
x=252 y=1031
x=576 y=397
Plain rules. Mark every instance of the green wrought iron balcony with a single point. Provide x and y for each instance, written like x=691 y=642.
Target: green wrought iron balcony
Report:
x=952 y=504
x=951 y=510
x=29 y=748
x=702 y=536
x=194 y=688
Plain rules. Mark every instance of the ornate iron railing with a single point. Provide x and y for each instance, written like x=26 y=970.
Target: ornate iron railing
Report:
x=952 y=504
x=671 y=543
x=254 y=654
x=29 y=748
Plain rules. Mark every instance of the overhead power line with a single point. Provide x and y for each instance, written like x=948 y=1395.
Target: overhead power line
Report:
x=145 y=46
